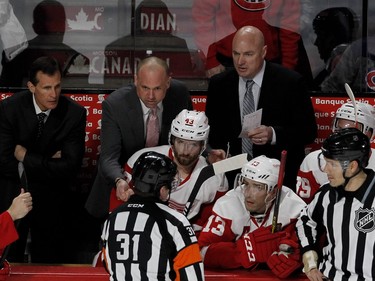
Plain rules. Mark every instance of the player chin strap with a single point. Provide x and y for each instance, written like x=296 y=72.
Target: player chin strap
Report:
x=268 y=201
x=258 y=217
x=261 y=217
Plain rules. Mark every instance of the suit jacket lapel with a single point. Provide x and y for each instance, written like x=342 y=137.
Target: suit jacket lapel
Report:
x=168 y=102
x=135 y=115
x=233 y=100
x=264 y=89
x=29 y=115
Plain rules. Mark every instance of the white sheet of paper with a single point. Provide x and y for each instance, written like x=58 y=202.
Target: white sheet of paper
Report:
x=251 y=121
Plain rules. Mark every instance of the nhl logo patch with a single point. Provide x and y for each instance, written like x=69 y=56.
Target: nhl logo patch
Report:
x=365 y=220
x=253 y=5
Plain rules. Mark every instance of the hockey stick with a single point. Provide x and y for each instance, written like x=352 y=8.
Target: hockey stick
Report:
x=24 y=185
x=226 y=157
x=352 y=98
x=23 y=178
x=226 y=165
x=277 y=226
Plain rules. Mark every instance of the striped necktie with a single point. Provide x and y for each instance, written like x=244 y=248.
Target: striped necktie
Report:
x=152 y=127
x=247 y=108
x=41 y=116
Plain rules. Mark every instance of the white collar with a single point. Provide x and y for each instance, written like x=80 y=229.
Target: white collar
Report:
x=37 y=108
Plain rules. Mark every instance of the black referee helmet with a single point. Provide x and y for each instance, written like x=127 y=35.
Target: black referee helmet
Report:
x=348 y=144
x=152 y=171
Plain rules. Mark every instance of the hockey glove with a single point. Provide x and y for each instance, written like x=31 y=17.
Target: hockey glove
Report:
x=286 y=260
x=258 y=245
x=5 y=271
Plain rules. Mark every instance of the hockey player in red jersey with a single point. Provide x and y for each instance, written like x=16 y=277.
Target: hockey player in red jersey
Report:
x=20 y=207
x=310 y=177
x=238 y=232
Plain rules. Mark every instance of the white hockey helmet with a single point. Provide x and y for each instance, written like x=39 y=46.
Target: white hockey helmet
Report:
x=262 y=169
x=190 y=125
x=365 y=116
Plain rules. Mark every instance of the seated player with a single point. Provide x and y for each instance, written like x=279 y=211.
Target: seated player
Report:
x=238 y=233
x=310 y=177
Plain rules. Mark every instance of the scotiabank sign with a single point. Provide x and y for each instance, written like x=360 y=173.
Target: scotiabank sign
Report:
x=324 y=108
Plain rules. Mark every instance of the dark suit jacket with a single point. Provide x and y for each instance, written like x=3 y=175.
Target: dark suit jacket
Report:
x=49 y=179
x=64 y=130
x=122 y=134
x=286 y=107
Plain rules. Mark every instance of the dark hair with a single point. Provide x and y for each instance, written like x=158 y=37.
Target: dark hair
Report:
x=173 y=139
x=47 y=65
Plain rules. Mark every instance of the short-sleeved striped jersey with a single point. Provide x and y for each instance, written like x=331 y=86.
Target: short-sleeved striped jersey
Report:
x=349 y=221
x=146 y=240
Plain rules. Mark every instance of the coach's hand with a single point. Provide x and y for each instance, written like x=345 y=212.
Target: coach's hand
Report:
x=123 y=191
x=215 y=155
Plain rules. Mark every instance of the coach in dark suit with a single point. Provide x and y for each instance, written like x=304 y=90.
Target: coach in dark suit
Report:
x=288 y=120
x=51 y=153
x=123 y=132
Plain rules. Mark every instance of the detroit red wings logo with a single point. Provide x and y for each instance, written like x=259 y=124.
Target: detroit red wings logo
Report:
x=253 y=5
x=364 y=220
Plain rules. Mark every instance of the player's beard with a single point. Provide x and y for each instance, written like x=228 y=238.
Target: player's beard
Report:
x=185 y=160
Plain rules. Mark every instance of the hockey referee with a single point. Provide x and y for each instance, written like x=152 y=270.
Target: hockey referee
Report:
x=144 y=239
x=343 y=208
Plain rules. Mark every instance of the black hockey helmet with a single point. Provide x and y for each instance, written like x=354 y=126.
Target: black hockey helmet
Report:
x=152 y=171
x=348 y=144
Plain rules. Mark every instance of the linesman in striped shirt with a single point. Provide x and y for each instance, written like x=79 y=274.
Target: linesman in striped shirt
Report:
x=343 y=208
x=144 y=239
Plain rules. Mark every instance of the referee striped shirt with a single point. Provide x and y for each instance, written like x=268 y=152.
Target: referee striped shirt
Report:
x=349 y=221
x=146 y=240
